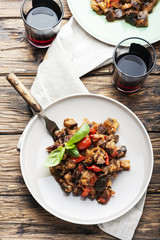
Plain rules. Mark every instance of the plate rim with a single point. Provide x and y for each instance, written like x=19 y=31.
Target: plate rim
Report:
x=67 y=218
x=89 y=31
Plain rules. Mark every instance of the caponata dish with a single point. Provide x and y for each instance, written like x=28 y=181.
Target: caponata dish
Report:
x=85 y=159
x=135 y=12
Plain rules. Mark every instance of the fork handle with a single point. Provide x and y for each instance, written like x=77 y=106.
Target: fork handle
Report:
x=24 y=92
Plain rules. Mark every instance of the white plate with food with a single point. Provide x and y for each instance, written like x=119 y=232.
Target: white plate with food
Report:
x=113 y=32
x=129 y=186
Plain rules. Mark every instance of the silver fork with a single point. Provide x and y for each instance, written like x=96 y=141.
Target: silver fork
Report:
x=25 y=93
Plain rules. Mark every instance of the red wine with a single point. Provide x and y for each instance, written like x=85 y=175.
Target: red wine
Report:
x=42 y=22
x=132 y=65
x=41 y=18
x=132 y=72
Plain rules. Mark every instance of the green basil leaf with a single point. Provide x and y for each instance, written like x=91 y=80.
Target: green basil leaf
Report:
x=55 y=157
x=81 y=133
x=68 y=146
x=73 y=152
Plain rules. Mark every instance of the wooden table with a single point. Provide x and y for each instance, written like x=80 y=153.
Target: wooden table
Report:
x=21 y=217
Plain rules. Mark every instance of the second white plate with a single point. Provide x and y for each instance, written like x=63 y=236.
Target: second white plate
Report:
x=113 y=32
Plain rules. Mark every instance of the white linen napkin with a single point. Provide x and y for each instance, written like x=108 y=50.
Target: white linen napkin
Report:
x=72 y=54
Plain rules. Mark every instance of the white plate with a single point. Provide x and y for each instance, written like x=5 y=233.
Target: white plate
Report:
x=129 y=185
x=113 y=32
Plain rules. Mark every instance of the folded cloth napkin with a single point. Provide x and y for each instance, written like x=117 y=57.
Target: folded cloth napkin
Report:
x=72 y=54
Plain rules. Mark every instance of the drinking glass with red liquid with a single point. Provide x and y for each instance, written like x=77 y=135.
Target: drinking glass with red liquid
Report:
x=134 y=58
x=42 y=19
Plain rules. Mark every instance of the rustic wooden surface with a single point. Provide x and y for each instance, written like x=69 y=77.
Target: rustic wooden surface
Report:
x=21 y=217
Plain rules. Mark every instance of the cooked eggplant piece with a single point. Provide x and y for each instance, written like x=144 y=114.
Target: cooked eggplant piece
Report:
x=110 y=15
x=132 y=21
x=121 y=151
x=125 y=1
x=92 y=194
x=102 y=6
x=119 y=13
x=61 y=133
x=97 y=154
x=105 y=196
x=126 y=6
x=67 y=137
x=142 y=19
x=95 y=6
x=113 y=137
x=100 y=183
x=148 y=6
x=115 y=4
x=66 y=187
x=53 y=147
x=77 y=191
x=70 y=123
x=70 y=164
x=111 y=125
x=68 y=179
x=101 y=129
x=110 y=147
x=131 y=13
x=114 y=166
x=125 y=164
x=136 y=4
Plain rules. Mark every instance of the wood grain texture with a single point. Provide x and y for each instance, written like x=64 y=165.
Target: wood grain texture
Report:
x=15 y=50
x=15 y=114
x=21 y=217
x=27 y=220
x=11 y=9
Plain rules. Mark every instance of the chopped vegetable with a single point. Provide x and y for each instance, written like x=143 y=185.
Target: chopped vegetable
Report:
x=94 y=168
x=92 y=130
x=86 y=192
x=84 y=143
x=78 y=159
x=84 y=160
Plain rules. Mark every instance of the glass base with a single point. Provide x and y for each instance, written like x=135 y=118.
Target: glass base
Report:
x=38 y=46
x=126 y=91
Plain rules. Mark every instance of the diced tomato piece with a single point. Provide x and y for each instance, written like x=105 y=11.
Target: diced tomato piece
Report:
x=105 y=137
x=95 y=137
x=86 y=191
x=80 y=168
x=93 y=180
x=84 y=143
x=92 y=130
x=102 y=200
x=94 y=168
x=107 y=159
x=78 y=159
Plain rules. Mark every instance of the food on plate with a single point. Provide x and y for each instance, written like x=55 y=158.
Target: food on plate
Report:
x=84 y=159
x=135 y=12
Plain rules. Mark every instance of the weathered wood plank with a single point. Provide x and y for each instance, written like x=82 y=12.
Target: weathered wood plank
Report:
x=17 y=55
x=11 y=180
x=11 y=9
x=15 y=112
x=22 y=218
